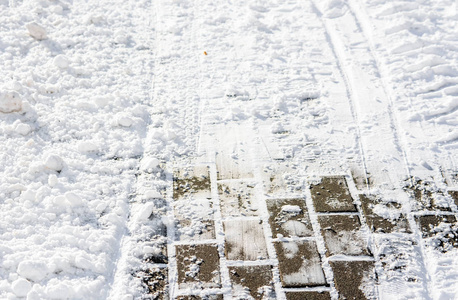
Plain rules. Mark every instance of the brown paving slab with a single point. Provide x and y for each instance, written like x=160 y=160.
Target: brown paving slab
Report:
x=207 y=297
x=442 y=228
x=198 y=266
x=342 y=235
x=253 y=280
x=354 y=279
x=299 y=263
x=454 y=195
x=332 y=195
x=244 y=240
x=427 y=197
x=191 y=182
x=237 y=199
x=194 y=220
x=382 y=216
x=308 y=296
x=154 y=281
x=289 y=217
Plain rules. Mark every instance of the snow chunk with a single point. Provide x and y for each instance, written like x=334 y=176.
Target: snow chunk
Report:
x=36 y=31
x=295 y=209
x=23 y=129
x=87 y=147
x=21 y=287
x=61 y=61
x=73 y=199
x=124 y=121
x=54 y=162
x=59 y=291
x=10 y=102
x=145 y=212
x=32 y=270
x=149 y=163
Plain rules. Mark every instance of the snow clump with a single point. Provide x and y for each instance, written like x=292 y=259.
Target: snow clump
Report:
x=36 y=31
x=10 y=101
x=54 y=162
x=61 y=61
x=32 y=270
x=21 y=287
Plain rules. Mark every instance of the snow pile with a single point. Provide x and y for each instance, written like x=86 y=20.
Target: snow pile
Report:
x=74 y=106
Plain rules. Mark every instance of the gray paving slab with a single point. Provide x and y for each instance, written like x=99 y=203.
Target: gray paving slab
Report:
x=244 y=240
x=299 y=264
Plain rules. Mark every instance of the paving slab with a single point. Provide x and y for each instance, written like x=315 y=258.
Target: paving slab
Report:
x=237 y=199
x=280 y=179
x=332 y=195
x=454 y=195
x=354 y=279
x=443 y=229
x=155 y=282
x=244 y=240
x=289 y=217
x=299 y=263
x=342 y=235
x=308 y=296
x=194 y=220
x=198 y=266
x=383 y=216
x=255 y=281
x=402 y=269
x=191 y=182
x=428 y=197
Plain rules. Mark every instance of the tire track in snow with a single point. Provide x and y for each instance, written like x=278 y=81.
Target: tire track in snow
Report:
x=382 y=153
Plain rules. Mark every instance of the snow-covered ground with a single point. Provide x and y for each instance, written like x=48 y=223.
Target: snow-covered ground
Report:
x=101 y=101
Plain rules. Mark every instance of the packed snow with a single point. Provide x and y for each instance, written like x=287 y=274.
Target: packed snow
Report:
x=97 y=98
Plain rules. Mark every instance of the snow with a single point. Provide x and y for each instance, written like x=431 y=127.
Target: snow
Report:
x=96 y=97
x=10 y=101
x=36 y=31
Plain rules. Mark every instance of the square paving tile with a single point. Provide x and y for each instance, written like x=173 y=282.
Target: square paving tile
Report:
x=191 y=182
x=442 y=228
x=154 y=281
x=245 y=240
x=332 y=195
x=308 y=296
x=354 y=279
x=289 y=218
x=342 y=235
x=198 y=266
x=194 y=220
x=383 y=216
x=427 y=197
x=237 y=199
x=454 y=195
x=299 y=264
x=251 y=280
